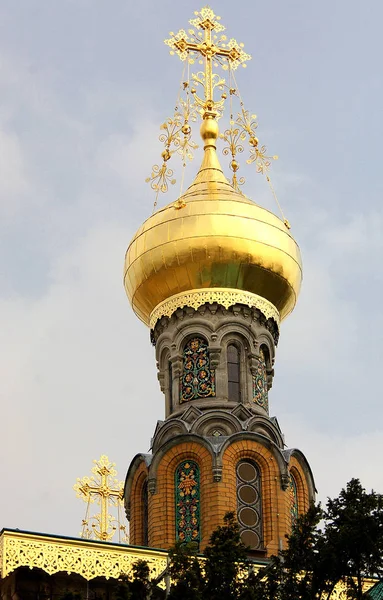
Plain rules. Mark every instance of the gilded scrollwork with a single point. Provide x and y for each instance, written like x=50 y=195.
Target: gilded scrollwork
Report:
x=88 y=559
x=54 y=554
x=225 y=297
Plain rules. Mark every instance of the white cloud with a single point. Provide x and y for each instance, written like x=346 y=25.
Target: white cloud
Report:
x=78 y=380
x=14 y=182
x=335 y=458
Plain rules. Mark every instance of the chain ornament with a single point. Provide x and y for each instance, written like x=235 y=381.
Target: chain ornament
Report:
x=206 y=92
x=248 y=124
x=259 y=156
x=234 y=138
x=176 y=135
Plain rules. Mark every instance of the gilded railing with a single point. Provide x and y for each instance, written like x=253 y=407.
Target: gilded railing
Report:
x=54 y=554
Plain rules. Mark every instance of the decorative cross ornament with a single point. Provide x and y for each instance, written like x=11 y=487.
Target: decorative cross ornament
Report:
x=204 y=43
x=107 y=491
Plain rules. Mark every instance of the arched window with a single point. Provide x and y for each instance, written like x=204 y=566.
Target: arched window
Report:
x=198 y=379
x=249 y=504
x=144 y=498
x=233 y=373
x=293 y=494
x=260 y=387
x=170 y=378
x=187 y=497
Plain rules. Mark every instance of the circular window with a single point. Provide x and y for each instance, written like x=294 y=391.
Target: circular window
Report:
x=247 y=472
x=249 y=507
x=248 y=517
x=247 y=494
x=250 y=538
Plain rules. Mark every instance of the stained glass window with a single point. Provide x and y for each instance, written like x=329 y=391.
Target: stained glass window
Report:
x=249 y=504
x=187 y=487
x=170 y=377
x=260 y=389
x=233 y=373
x=198 y=379
x=293 y=495
x=144 y=498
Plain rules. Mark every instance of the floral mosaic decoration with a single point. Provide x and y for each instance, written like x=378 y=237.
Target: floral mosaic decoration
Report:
x=187 y=488
x=197 y=379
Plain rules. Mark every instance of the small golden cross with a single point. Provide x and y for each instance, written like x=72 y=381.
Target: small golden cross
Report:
x=203 y=41
x=106 y=490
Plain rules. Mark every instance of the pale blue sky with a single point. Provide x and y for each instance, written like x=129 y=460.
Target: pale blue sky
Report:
x=84 y=86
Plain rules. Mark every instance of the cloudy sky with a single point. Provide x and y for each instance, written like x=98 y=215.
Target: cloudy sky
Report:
x=84 y=86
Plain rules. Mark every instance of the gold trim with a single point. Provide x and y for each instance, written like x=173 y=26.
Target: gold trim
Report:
x=89 y=559
x=54 y=554
x=225 y=296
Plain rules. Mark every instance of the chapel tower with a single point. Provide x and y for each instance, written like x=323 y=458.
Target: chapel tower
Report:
x=213 y=275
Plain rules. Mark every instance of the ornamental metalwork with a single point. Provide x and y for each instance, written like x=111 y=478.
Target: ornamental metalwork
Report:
x=293 y=499
x=207 y=44
x=187 y=497
x=225 y=296
x=104 y=489
x=249 y=504
x=205 y=92
x=198 y=378
x=260 y=387
x=90 y=559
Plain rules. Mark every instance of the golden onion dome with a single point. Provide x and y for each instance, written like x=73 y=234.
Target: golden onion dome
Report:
x=212 y=245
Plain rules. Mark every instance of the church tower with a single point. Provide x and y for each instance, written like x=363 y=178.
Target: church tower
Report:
x=213 y=275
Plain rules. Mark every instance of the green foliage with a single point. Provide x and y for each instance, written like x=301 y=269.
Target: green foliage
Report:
x=139 y=586
x=186 y=573
x=348 y=547
x=342 y=543
x=225 y=558
x=221 y=575
x=354 y=531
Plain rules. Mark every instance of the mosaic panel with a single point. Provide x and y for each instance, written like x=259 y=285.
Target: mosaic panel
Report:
x=293 y=496
x=187 y=487
x=198 y=379
x=260 y=389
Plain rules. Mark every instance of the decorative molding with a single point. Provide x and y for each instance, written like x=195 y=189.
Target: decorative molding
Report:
x=55 y=554
x=225 y=296
x=90 y=559
x=217 y=473
x=285 y=481
x=152 y=485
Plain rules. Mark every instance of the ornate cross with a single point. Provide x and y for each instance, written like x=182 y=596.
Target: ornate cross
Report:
x=204 y=43
x=106 y=490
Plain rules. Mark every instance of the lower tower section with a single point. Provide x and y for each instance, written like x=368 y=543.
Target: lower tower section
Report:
x=218 y=449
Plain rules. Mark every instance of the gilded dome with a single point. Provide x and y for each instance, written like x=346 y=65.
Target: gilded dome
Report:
x=212 y=244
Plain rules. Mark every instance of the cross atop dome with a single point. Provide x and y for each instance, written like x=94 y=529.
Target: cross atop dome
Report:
x=203 y=42
x=205 y=92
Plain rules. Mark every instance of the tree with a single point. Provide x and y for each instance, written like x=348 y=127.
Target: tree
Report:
x=348 y=547
x=223 y=575
x=354 y=532
x=343 y=543
x=188 y=581
x=226 y=558
x=139 y=586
